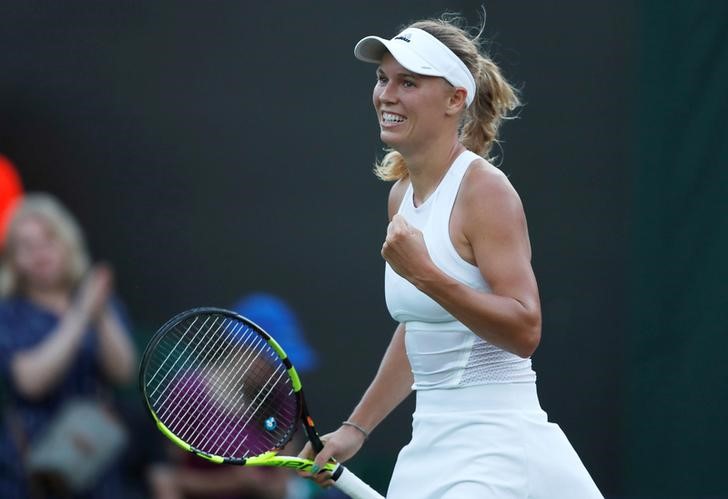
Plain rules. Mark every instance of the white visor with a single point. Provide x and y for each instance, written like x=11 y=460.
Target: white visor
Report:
x=419 y=52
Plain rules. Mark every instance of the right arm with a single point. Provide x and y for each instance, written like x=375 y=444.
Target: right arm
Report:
x=391 y=385
x=36 y=371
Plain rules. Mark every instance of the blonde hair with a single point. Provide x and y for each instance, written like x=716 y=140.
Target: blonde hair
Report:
x=494 y=101
x=63 y=225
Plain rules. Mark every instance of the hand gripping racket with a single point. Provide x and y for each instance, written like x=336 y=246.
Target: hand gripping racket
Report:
x=219 y=386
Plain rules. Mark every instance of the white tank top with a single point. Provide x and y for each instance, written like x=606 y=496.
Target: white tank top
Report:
x=442 y=351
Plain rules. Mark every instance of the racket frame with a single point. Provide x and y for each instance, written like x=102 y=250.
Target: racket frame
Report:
x=270 y=458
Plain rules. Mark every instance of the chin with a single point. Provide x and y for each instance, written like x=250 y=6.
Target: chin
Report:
x=46 y=281
x=390 y=139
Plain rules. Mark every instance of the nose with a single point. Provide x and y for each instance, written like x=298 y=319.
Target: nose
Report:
x=388 y=93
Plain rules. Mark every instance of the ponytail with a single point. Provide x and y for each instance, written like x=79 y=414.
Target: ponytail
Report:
x=391 y=168
x=494 y=102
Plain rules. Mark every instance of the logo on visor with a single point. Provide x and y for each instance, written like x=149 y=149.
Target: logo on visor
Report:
x=406 y=37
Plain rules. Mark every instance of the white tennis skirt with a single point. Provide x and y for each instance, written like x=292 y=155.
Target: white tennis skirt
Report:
x=487 y=441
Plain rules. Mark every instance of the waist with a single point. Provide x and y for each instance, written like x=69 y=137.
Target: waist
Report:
x=448 y=355
x=490 y=397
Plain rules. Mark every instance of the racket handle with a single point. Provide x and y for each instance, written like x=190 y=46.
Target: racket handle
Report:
x=352 y=485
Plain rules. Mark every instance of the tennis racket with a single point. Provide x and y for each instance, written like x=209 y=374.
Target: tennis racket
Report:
x=219 y=386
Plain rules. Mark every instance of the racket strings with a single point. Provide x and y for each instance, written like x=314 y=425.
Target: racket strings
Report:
x=236 y=403
x=219 y=386
x=216 y=430
x=190 y=361
x=188 y=385
x=193 y=407
x=163 y=363
x=263 y=395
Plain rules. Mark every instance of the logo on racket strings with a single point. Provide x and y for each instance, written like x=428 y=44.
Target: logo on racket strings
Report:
x=270 y=424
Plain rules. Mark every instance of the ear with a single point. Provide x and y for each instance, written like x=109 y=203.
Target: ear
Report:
x=457 y=101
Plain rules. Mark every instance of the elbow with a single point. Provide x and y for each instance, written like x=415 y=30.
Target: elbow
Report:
x=29 y=387
x=122 y=373
x=530 y=338
x=29 y=391
x=119 y=377
x=130 y=368
x=118 y=363
x=529 y=345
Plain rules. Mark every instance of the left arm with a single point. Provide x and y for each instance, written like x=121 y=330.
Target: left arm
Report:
x=489 y=216
x=117 y=355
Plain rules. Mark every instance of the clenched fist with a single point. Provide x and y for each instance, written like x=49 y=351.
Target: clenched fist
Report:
x=405 y=250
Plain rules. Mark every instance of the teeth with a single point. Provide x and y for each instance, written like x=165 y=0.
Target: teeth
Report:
x=392 y=118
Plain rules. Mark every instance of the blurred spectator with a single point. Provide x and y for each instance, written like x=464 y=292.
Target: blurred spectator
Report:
x=62 y=338
x=188 y=476
x=276 y=317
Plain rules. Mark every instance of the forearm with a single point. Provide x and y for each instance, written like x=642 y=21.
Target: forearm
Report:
x=504 y=321
x=36 y=371
x=117 y=354
x=391 y=385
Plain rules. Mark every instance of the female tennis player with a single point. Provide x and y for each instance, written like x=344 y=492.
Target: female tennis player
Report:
x=459 y=281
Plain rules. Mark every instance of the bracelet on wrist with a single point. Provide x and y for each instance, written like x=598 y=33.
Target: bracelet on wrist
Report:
x=354 y=425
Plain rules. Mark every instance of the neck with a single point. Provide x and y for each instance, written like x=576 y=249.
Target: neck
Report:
x=427 y=166
x=56 y=299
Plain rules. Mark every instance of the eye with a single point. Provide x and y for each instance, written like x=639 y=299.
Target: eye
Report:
x=408 y=83
x=381 y=79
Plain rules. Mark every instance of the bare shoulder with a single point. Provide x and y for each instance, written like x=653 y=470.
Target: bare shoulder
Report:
x=396 y=195
x=488 y=207
x=487 y=192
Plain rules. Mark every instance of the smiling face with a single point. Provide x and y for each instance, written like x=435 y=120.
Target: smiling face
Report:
x=413 y=109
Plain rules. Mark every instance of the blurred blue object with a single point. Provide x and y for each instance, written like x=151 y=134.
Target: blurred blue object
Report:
x=276 y=317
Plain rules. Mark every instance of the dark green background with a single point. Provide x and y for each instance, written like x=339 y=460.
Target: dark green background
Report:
x=214 y=148
x=677 y=387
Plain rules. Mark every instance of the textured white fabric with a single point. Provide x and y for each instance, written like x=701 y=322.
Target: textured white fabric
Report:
x=487 y=442
x=442 y=351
